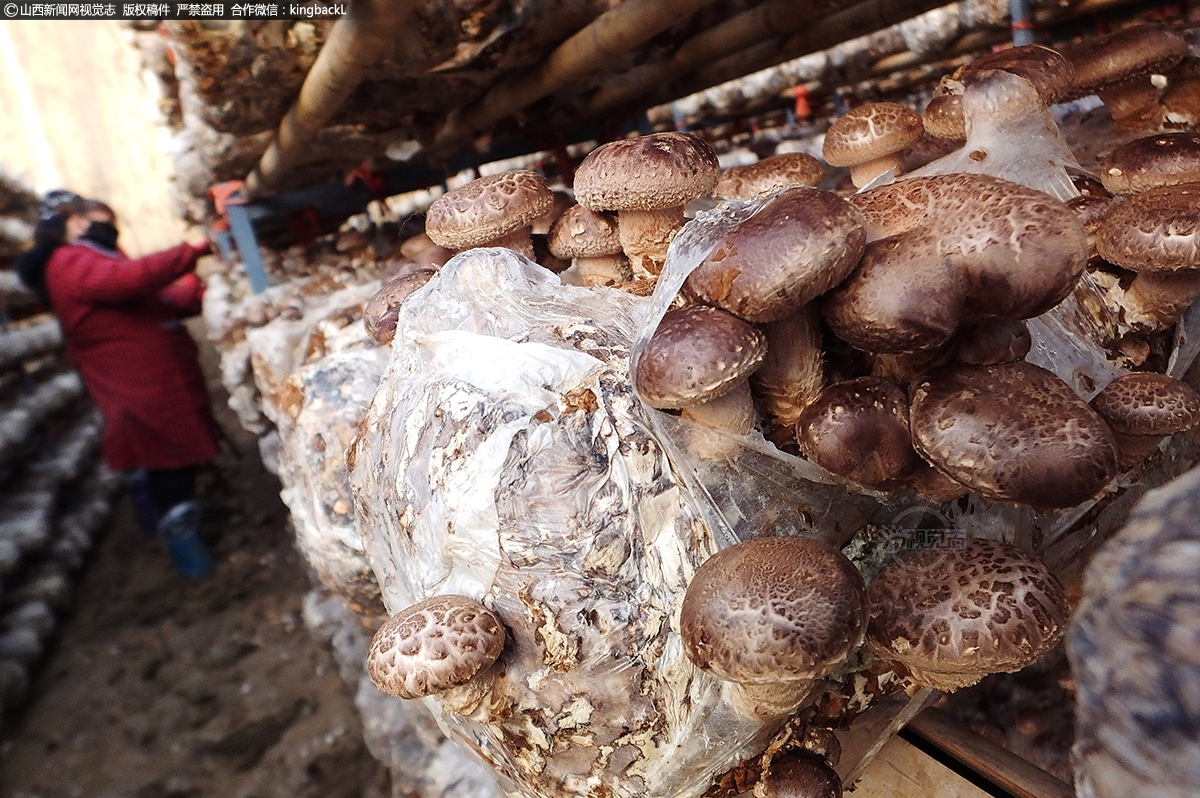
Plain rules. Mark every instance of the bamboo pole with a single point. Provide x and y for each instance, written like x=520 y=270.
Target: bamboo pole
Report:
x=596 y=47
x=999 y=765
x=772 y=18
x=356 y=44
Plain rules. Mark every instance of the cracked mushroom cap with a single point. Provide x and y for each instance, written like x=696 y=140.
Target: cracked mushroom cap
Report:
x=942 y=251
x=1155 y=231
x=382 y=310
x=487 y=209
x=788 y=169
x=859 y=429
x=1144 y=403
x=1045 y=69
x=695 y=355
x=436 y=644
x=1013 y=432
x=580 y=233
x=802 y=244
x=952 y=615
x=662 y=170
x=773 y=609
x=1123 y=54
x=871 y=131
x=800 y=774
x=1166 y=159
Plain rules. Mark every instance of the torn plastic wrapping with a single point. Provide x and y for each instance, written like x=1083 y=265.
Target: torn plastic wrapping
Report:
x=321 y=405
x=505 y=457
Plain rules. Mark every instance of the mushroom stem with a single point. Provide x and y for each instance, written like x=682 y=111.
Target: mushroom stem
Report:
x=646 y=235
x=602 y=270
x=864 y=173
x=792 y=373
x=519 y=241
x=732 y=411
x=766 y=701
x=1133 y=449
x=1158 y=299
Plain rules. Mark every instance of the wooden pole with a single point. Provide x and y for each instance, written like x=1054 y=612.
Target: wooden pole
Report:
x=356 y=44
x=999 y=765
x=595 y=48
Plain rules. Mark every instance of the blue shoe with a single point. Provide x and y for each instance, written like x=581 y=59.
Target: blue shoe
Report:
x=180 y=528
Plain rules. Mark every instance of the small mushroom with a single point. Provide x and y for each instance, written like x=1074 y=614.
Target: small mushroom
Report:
x=1181 y=100
x=382 y=310
x=942 y=251
x=1133 y=104
x=493 y=211
x=859 y=430
x=1121 y=55
x=803 y=243
x=799 y=774
x=1166 y=159
x=954 y=614
x=792 y=373
x=697 y=354
x=590 y=239
x=1013 y=432
x=778 y=171
x=1157 y=234
x=773 y=615
x=648 y=181
x=1142 y=408
x=943 y=116
x=435 y=646
x=421 y=249
x=870 y=138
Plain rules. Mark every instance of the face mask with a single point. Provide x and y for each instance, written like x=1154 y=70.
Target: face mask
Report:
x=102 y=233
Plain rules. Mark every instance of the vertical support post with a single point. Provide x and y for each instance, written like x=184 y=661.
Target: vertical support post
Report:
x=247 y=245
x=1022 y=23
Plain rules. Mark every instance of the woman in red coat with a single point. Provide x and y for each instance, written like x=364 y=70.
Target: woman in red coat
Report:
x=121 y=320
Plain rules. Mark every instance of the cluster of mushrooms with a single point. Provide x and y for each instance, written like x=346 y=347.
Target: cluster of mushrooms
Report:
x=880 y=336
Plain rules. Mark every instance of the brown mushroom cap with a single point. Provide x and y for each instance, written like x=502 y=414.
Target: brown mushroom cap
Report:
x=1013 y=432
x=1123 y=54
x=1155 y=231
x=487 y=209
x=1046 y=70
x=1148 y=404
x=773 y=609
x=1181 y=100
x=580 y=233
x=944 y=117
x=871 y=131
x=788 y=169
x=859 y=429
x=436 y=644
x=382 y=310
x=662 y=170
x=695 y=355
x=799 y=774
x=799 y=246
x=421 y=249
x=944 y=250
x=1166 y=159
x=953 y=615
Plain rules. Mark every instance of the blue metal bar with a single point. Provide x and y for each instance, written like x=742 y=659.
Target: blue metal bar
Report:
x=247 y=245
x=224 y=245
x=1022 y=33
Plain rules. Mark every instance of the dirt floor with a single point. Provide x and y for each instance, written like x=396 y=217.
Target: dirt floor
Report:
x=161 y=687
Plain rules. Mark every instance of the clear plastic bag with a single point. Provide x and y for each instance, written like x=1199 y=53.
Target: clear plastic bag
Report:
x=505 y=457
